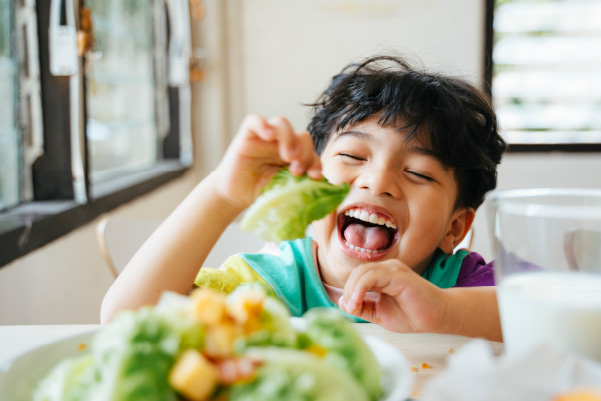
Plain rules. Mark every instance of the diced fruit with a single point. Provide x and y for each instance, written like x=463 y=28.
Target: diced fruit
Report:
x=194 y=376
x=246 y=309
x=220 y=338
x=209 y=305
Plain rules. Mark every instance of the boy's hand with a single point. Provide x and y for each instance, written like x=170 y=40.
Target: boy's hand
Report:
x=407 y=302
x=261 y=148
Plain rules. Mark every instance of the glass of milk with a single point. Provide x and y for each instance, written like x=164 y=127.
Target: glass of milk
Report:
x=547 y=246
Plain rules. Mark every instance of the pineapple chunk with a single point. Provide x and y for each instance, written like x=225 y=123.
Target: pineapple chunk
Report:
x=194 y=376
x=246 y=307
x=220 y=338
x=209 y=305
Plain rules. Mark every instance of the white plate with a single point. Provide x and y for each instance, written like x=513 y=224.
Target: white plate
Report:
x=19 y=376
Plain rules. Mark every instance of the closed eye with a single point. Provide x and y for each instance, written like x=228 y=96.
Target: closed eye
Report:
x=421 y=176
x=350 y=156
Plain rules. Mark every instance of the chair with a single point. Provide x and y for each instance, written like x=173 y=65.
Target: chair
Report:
x=119 y=238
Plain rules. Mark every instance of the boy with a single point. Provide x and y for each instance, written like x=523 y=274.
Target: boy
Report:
x=419 y=152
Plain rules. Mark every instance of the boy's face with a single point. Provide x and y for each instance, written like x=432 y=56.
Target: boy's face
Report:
x=401 y=204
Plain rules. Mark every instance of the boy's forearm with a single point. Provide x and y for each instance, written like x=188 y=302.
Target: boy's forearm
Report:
x=171 y=257
x=473 y=312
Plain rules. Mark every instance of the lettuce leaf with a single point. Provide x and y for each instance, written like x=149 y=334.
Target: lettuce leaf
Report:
x=70 y=380
x=330 y=329
x=288 y=204
x=289 y=374
x=275 y=327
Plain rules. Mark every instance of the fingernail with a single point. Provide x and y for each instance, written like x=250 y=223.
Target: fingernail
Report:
x=294 y=168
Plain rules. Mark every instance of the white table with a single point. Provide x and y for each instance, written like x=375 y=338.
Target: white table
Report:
x=429 y=349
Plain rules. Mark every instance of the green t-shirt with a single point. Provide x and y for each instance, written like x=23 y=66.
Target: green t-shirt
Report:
x=293 y=276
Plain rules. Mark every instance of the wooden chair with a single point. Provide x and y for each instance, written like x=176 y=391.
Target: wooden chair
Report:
x=119 y=238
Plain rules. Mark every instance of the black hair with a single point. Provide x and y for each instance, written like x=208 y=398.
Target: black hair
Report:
x=460 y=122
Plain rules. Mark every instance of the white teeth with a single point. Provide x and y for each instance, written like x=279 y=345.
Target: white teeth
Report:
x=358 y=249
x=369 y=217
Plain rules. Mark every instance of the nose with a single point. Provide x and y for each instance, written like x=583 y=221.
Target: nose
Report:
x=379 y=180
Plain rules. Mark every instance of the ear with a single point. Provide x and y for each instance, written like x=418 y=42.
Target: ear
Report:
x=460 y=224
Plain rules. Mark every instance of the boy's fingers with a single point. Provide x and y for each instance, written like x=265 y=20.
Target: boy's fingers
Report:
x=381 y=277
x=287 y=141
x=307 y=160
x=370 y=279
x=257 y=125
x=294 y=148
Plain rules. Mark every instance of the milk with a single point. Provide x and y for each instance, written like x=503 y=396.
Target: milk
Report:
x=559 y=309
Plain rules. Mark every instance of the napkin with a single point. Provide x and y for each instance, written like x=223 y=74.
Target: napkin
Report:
x=474 y=374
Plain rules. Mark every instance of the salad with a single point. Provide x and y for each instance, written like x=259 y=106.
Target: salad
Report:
x=212 y=346
x=288 y=204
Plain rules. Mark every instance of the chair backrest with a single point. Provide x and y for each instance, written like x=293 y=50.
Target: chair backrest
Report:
x=119 y=238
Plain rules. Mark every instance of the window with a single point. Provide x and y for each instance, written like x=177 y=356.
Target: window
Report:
x=9 y=135
x=97 y=110
x=121 y=129
x=20 y=122
x=546 y=73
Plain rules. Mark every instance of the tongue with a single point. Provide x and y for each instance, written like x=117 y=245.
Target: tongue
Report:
x=373 y=238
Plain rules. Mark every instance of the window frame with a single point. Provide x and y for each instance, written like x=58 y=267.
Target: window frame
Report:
x=54 y=212
x=488 y=75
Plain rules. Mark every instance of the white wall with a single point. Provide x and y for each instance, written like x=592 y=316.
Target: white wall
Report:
x=291 y=49
x=270 y=57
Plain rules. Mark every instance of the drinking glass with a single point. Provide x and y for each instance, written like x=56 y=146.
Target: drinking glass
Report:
x=547 y=245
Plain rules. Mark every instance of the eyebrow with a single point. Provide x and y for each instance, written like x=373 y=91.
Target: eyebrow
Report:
x=422 y=151
x=429 y=153
x=358 y=134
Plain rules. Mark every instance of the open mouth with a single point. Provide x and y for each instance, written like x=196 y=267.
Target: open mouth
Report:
x=367 y=232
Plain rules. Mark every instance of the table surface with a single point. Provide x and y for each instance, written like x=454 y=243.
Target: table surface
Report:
x=427 y=353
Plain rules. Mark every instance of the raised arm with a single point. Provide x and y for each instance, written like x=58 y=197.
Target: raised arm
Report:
x=172 y=256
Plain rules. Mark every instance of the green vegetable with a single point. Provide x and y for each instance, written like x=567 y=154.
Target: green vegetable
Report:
x=275 y=328
x=295 y=375
x=288 y=204
x=67 y=381
x=329 y=329
x=130 y=359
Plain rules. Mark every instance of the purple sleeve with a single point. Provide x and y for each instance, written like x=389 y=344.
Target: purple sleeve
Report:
x=475 y=272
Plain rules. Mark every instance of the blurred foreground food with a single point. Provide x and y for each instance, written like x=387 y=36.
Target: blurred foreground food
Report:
x=209 y=346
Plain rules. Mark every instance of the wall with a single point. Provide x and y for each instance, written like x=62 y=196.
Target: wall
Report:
x=291 y=49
